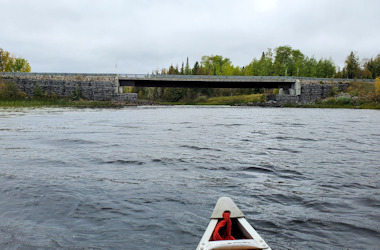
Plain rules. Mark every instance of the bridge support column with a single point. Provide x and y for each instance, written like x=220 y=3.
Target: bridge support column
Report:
x=121 y=90
x=117 y=84
x=281 y=91
x=296 y=87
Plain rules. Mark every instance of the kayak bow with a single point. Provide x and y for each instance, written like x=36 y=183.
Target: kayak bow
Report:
x=228 y=229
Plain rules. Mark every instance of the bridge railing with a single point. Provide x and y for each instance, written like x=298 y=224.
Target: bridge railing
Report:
x=202 y=77
x=54 y=74
x=317 y=79
x=135 y=75
x=334 y=79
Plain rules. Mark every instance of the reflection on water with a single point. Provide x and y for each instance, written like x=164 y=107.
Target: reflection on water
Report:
x=150 y=176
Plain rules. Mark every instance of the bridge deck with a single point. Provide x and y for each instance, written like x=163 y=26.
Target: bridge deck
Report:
x=190 y=81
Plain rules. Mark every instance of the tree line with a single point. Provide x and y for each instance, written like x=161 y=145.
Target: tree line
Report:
x=11 y=63
x=282 y=61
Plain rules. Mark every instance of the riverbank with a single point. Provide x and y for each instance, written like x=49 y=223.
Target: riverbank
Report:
x=334 y=106
x=33 y=103
x=345 y=103
x=340 y=101
x=223 y=100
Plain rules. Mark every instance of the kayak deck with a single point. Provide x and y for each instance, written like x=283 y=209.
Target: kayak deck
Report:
x=245 y=235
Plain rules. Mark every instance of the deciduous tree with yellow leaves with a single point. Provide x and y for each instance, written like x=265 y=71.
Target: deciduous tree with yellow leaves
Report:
x=10 y=63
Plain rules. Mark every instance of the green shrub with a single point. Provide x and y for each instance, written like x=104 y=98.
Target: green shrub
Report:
x=37 y=91
x=54 y=96
x=239 y=99
x=377 y=86
x=128 y=90
x=173 y=94
x=360 y=87
x=10 y=90
x=76 y=94
x=202 y=99
x=334 y=91
x=344 y=100
x=341 y=100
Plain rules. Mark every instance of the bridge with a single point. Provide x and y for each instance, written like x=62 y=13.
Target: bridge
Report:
x=288 y=85
x=101 y=87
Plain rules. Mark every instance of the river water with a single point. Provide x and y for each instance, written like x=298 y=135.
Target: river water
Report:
x=143 y=177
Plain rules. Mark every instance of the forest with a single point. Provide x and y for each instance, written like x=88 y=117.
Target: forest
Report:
x=281 y=61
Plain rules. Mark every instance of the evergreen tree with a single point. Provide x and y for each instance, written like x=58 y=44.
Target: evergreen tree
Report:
x=372 y=66
x=1 y=60
x=171 y=70
x=352 y=65
x=187 y=68
x=195 y=70
x=182 y=69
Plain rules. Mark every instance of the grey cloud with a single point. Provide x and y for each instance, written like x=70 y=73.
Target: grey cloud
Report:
x=140 y=36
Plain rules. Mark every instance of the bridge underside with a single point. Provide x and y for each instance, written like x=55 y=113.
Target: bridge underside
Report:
x=205 y=84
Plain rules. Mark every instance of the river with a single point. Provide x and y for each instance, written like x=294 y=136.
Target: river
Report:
x=149 y=177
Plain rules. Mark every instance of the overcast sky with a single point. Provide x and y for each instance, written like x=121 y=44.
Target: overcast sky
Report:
x=139 y=36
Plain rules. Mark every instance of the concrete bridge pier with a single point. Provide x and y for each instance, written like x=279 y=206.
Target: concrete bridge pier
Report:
x=294 y=89
x=118 y=89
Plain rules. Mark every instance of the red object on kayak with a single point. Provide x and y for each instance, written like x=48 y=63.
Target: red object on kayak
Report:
x=226 y=234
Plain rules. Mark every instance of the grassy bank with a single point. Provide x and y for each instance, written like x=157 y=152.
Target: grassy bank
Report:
x=235 y=100
x=56 y=103
x=335 y=106
x=224 y=100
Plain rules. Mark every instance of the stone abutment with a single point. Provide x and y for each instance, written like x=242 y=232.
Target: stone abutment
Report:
x=309 y=93
x=91 y=87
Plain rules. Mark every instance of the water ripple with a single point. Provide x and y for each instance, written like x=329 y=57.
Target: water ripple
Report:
x=150 y=176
